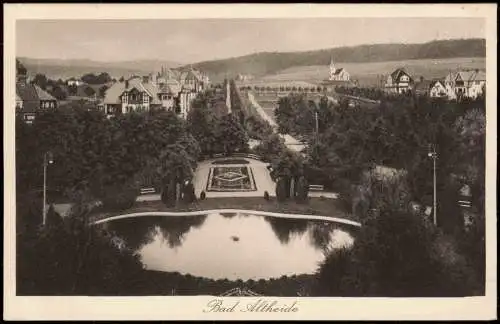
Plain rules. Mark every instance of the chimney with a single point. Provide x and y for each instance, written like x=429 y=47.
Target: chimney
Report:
x=126 y=84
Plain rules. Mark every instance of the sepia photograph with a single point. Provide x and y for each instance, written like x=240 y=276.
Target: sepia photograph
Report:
x=242 y=160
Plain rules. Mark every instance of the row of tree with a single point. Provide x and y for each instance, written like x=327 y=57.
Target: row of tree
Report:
x=285 y=88
x=375 y=93
x=215 y=132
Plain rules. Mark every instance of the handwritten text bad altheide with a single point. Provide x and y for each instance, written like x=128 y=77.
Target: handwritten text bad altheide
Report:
x=263 y=306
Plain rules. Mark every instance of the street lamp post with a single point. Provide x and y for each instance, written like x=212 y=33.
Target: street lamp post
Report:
x=432 y=154
x=47 y=159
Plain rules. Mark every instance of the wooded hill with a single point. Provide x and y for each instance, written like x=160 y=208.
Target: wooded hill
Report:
x=263 y=63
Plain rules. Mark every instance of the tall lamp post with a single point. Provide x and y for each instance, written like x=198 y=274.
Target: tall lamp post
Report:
x=47 y=159
x=433 y=155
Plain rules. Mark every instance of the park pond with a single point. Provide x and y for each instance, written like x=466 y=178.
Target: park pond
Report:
x=231 y=246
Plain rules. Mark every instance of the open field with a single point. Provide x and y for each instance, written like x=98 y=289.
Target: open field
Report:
x=269 y=102
x=369 y=74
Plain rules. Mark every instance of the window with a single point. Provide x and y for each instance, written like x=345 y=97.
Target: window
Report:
x=125 y=98
x=145 y=98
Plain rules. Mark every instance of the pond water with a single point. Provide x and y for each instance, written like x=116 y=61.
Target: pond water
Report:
x=230 y=246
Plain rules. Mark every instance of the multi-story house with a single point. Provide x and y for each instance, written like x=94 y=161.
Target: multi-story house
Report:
x=168 y=90
x=399 y=81
x=465 y=83
x=30 y=98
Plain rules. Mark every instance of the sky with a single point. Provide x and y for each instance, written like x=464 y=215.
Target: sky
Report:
x=194 y=40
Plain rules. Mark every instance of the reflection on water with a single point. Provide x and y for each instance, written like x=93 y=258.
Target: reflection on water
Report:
x=231 y=246
x=284 y=228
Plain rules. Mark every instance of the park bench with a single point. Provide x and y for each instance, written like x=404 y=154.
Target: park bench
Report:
x=147 y=191
x=316 y=187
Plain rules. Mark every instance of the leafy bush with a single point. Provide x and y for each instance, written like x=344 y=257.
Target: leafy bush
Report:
x=119 y=197
x=397 y=254
x=266 y=195
x=202 y=195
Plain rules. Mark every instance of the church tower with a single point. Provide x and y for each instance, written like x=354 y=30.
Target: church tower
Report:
x=332 y=69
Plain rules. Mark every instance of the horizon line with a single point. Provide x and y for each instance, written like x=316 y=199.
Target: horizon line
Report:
x=252 y=53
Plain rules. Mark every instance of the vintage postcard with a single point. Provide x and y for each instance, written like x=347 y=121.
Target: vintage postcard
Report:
x=228 y=162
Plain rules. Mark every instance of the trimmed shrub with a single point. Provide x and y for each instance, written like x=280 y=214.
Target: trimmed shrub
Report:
x=202 y=195
x=266 y=195
x=281 y=190
x=188 y=194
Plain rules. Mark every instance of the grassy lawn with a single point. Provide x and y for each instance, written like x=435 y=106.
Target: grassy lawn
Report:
x=315 y=206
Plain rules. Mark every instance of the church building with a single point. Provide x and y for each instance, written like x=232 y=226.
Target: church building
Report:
x=338 y=74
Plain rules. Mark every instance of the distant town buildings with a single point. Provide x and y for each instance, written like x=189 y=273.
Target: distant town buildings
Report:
x=169 y=90
x=244 y=77
x=30 y=98
x=399 y=81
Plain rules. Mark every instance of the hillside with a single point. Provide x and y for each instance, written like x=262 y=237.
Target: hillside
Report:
x=261 y=64
x=64 y=69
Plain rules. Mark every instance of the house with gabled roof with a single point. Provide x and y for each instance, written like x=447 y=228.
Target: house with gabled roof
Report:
x=399 y=81
x=437 y=89
x=30 y=98
x=167 y=90
x=465 y=83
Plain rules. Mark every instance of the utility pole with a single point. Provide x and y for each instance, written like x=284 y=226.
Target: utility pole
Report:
x=317 y=126
x=47 y=159
x=432 y=154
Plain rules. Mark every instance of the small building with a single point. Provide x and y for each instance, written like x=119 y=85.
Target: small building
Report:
x=431 y=88
x=423 y=87
x=399 y=81
x=437 y=89
x=73 y=82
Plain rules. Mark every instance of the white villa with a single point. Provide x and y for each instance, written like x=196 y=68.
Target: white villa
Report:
x=399 y=81
x=465 y=83
x=437 y=89
x=168 y=90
